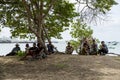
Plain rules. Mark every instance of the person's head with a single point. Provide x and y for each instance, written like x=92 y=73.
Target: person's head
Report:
x=17 y=45
x=102 y=42
x=27 y=45
x=50 y=42
x=86 y=41
x=34 y=44
x=93 y=40
x=68 y=43
x=85 y=45
x=39 y=45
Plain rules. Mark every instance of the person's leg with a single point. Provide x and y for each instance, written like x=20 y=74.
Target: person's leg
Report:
x=11 y=54
x=27 y=54
x=100 y=52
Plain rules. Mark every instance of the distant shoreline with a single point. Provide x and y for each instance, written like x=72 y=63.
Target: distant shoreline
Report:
x=28 y=42
x=16 y=42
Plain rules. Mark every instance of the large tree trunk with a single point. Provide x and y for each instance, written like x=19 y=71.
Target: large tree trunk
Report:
x=41 y=38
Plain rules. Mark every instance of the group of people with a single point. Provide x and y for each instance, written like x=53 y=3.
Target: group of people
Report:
x=37 y=50
x=88 y=48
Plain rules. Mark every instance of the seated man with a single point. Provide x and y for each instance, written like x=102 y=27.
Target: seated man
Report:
x=30 y=51
x=14 y=50
x=40 y=52
x=27 y=48
x=94 y=48
x=50 y=48
x=103 y=48
x=69 y=49
x=85 y=50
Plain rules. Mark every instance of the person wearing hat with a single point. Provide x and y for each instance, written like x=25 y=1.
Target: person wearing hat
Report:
x=14 y=50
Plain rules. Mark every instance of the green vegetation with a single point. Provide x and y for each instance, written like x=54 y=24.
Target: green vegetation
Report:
x=44 y=19
x=37 y=18
x=79 y=31
x=21 y=53
x=61 y=65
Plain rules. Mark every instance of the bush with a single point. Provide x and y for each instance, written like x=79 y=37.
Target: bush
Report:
x=21 y=53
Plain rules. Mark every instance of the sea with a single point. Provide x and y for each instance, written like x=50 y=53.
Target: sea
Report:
x=5 y=48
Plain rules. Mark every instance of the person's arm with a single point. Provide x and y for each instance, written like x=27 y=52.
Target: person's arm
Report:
x=42 y=50
x=72 y=48
x=13 y=50
x=19 y=49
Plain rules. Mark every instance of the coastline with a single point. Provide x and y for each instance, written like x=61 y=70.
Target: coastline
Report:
x=61 y=45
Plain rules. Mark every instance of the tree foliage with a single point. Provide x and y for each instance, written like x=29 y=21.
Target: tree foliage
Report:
x=30 y=18
x=47 y=18
x=89 y=10
x=79 y=31
x=94 y=10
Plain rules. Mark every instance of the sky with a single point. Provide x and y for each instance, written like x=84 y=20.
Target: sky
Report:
x=107 y=30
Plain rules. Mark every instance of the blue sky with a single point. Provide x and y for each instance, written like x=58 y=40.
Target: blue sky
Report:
x=107 y=31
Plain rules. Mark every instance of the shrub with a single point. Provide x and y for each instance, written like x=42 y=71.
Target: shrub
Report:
x=20 y=53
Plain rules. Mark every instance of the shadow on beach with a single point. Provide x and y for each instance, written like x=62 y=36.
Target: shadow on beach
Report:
x=61 y=67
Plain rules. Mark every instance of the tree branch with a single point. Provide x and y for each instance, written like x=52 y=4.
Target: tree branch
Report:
x=29 y=14
x=49 y=7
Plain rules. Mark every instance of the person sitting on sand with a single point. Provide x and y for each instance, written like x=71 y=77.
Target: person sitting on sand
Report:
x=14 y=50
x=27 y=48
x=50 y=48
x=94 y=48
x=69 y=49
x=85 y=48
x=30 y=51
x=40 y=51
x=103 y=48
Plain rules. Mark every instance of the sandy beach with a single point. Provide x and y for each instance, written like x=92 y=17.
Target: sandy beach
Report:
x=61 y=67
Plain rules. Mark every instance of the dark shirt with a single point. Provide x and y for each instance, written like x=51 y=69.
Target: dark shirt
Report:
x=104 y=47
x=33 y=48
x=16 y=49
x=94 y=47
x=50 y=48
x=40 y=49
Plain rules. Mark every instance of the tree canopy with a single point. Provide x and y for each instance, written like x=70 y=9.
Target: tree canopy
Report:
x=28 y=16
x=94 y=10
x=47 y=18
x=79 y=30
x=89 y=10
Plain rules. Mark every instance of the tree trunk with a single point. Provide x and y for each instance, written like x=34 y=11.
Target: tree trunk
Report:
x=43 y=44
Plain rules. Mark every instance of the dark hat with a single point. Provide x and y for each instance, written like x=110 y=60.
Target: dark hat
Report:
x=17 y=44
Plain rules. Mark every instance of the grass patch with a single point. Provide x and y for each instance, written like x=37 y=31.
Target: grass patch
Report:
x=118 y=58
x=61 y=65
x=21 y=53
